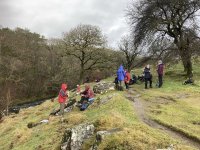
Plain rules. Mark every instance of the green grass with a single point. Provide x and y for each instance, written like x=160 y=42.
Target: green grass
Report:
x=175 y=105
x=180 y=114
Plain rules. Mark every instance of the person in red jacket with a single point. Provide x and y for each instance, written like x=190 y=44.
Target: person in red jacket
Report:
x=62 y=98
x=87 y=94
x=127 y=79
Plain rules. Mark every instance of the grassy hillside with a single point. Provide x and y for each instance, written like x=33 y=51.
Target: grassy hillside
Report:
x=174 y=105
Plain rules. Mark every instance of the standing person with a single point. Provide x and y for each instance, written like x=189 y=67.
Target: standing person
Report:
x=147 y=76
x=116 y=83
x=120 y=75
x=62 y=98
x=127 y=79
x=160 y=69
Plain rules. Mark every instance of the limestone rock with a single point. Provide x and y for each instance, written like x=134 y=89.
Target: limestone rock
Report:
x=103 y=87
x=106 y=99
x=75 y=137
x=100 y=135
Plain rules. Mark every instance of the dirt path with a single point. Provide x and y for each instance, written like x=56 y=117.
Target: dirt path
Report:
x=140 y=109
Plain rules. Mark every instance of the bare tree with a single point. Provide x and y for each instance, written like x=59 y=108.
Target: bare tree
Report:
x=126 y=45
x=172 y=18
x=85 y=43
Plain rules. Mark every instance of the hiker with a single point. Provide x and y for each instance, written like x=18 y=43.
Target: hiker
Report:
x=160 y=69
x=116 y=83
x=120 y=76
x=127 y=79
x=134 y=78
x=62 y=98
x=87 y=97
x=147 y=76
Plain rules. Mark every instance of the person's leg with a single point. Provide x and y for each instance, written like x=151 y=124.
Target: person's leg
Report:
x=150 y=81
x=146 y=80
x=126 y=85
x=62 y=107
x=160 y=80
x=82 y=99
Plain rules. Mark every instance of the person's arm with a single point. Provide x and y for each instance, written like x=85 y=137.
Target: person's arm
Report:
x=62 y=93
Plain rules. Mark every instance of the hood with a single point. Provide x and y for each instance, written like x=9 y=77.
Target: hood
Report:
x=64 y=87
x=121 y=68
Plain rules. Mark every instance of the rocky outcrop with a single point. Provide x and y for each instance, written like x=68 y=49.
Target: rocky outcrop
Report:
x=106 y=99
x=103 y=87
x=100 y=135
x=75 y=137
x=68 y=108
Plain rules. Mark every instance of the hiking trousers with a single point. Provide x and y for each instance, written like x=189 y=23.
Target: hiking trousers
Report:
x=62 y=107
x=160 y=80
x=127 y=85
x=146 y=82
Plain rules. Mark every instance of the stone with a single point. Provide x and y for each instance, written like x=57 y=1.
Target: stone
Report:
x=171 y=147
x=106 y=99
x=75 y=137
x=103 y=87
x=100 y=135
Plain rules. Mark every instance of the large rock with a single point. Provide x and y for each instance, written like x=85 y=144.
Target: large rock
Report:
x=106 y=99
x=103 y=87
x=100 y=135
x=75 y=137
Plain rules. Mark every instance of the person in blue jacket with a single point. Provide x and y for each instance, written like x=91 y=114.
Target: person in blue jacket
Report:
x=120 y=75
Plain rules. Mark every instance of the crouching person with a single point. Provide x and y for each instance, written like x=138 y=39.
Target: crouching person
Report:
x=87 y=97
x=62 y=98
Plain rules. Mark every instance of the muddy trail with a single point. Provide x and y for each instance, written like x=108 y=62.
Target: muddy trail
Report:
x=140 y=108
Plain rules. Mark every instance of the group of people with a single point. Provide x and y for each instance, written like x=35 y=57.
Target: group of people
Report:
x=124 y=76
x=87 y=97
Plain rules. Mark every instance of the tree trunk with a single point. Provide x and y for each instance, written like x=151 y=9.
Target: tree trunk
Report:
x=8 y=101
x=186 y=60
x=81 y=77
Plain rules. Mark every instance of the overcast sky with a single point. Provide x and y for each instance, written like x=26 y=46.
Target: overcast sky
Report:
x=53 y=17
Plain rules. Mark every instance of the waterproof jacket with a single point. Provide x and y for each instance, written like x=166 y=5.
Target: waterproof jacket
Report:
x=160 y=69
x=88 y=93
x=127 y=77
x=62 y=97
x=120 y=73
x=147 y=73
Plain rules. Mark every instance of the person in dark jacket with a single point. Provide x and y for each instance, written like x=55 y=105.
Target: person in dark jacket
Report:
x=147 y=76
x=120 y=75
x=160 y=69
